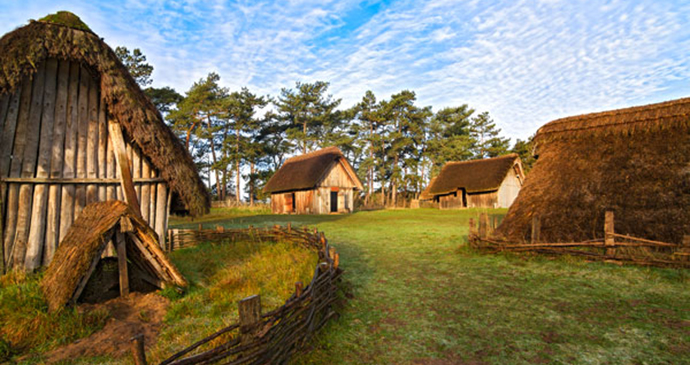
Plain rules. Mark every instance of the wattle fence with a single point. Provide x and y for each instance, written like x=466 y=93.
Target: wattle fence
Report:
x=262 y=338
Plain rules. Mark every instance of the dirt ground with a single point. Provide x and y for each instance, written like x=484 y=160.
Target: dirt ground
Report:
x=129 y=316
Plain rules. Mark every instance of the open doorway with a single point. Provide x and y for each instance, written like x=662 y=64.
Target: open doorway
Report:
x=334 y=201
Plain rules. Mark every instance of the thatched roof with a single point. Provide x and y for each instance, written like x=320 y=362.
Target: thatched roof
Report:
x=307 y=171
x=633 y=161
x=84 y=243
x=64 y=36
x=474 y=176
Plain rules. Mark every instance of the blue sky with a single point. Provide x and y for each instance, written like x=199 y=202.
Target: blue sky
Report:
x=526 y=62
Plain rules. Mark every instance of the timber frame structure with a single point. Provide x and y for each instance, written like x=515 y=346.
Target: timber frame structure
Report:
x=319 y=182
x=75 y=129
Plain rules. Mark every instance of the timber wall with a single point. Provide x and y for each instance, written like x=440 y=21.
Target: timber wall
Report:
x=56 y=157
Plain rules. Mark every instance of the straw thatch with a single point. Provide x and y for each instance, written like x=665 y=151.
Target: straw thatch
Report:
x=306 y=171
x=65 y=37
x=633 y=161
x=474 y=176
x=84 y=243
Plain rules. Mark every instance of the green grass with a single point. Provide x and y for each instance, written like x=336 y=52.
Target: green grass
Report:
x=420 y=295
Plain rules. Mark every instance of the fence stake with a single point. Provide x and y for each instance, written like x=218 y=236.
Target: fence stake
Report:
x=289 y=227
x=685 y=246
x=137 y=347
x=336 y=260
x=609 y=239
x=250 y=314
x=483 y=225
x=536 y=229
x=472 y=229
x=298 y=289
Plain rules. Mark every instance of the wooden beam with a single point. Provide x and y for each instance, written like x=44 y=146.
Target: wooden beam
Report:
x=120 y=150
x=122 y=262
x=38 y=180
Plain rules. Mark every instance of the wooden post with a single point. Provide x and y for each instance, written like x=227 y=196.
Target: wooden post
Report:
x=250 y=313
x=483 y=225
x=170 y=240
x=684 y=246
x=289 y=227
x=123 y=162
x=536 y=229
x=472 y=229
x=298 y=289
x=2 y=246
x=138 y=353
x=609 y=240
x=200 y=228
x=336 y=260
x=120 y=243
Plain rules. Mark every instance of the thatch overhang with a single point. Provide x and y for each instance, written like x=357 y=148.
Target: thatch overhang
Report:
x=634 y=162
x=307 y=171
x=82 y=247
x=63 y=36
x=475 y=176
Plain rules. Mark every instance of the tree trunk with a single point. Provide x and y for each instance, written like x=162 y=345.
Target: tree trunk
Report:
x=237 y=167
x=251 y=184
x=304 y=130
x=213 y=154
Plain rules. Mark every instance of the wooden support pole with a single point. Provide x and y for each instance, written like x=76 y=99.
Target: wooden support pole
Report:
x=138 y=353
x=609 y=239
x=536 y=229
x=120 y=150
x=250 y=313
x=120 y=243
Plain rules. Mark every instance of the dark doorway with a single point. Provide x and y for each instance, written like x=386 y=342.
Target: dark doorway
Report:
x=334 y=201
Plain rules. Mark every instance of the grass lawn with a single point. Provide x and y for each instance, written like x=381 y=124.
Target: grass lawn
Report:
x=421 y=296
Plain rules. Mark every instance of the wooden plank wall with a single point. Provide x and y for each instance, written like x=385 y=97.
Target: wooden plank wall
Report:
x=54 y=127
x=482 y=200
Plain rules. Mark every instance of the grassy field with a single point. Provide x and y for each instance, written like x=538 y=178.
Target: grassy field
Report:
x=420 y=296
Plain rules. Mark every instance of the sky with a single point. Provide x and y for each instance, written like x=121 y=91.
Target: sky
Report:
x=526 y=62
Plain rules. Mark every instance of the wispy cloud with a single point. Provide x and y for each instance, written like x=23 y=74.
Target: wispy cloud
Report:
x=526 y=62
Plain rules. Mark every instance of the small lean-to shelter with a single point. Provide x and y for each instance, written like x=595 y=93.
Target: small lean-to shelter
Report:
x=78 y=270
x=75 y=127
x=320 y=182
x=634 y=162
x=487 y=183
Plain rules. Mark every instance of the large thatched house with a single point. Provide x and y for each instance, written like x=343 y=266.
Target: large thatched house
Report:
x=634 y=161
x=488 y=183
x=68 y=107
x=320 y=182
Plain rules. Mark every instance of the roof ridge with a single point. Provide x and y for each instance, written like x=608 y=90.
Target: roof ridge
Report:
x=314 y=154
x=511 y=155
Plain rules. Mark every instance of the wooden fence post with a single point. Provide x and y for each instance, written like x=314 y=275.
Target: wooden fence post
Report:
x=289 y=227
x=298 y=289
x=536 y=229
x=138 y=353
x=685 y=248
x=472 y=230
x=170 y=240
x=250 y=313
x=336 y=260
x=483 y=225
x=609 y=240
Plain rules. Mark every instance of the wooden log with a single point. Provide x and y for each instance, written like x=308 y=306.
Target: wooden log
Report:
x=121 y=243
x=30 y=158
x=123 y=163
x=152 y=198
x=145 y=190
x=52 y=236
x=8 y=131
x=85 y=82
x=111 y=191
x=102 y=166
x=137 y=348
x=92 y=143
x=250 y=313
x=336 y=260
x=161 y=212
x=77 y=181
x=69 y=192
x=39 y=210
x=136 y=170
x=536 y=229
x=609 y=239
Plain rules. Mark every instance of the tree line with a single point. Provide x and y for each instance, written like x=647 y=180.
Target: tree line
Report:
x=395 y=145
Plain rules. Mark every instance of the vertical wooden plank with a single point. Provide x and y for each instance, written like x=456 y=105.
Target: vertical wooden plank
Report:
x=4 y=105
x=69 y=168
x=15 y=169
x=122 y=262
x=136 y=169
x=8 y=129
x=536 y=229
x=152 y=200
x=250 y=313
x=39 y=210
x=92 y=142
x=609 y=240
x=115 y=133
x=111 y=190
x=82 y=137
x=29 y=168
x=145 y=190
x=56 y=162
x=102 y=166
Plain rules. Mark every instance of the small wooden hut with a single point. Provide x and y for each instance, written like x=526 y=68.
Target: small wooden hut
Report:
x=74 y=127
x=633 y=161
x=488 y=183
x=320 y=182
x=79 y=272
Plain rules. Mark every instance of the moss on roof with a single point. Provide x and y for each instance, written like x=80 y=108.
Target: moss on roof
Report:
x=66 y=19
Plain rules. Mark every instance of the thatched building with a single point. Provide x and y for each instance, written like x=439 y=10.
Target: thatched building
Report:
x=320 y=182
x=488 y=183
x=74 y=127
x=633 y=161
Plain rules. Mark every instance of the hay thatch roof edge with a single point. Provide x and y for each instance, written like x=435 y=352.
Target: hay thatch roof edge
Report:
x=475 y=176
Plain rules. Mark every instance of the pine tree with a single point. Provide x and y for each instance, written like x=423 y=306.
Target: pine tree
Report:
x=487 y=142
